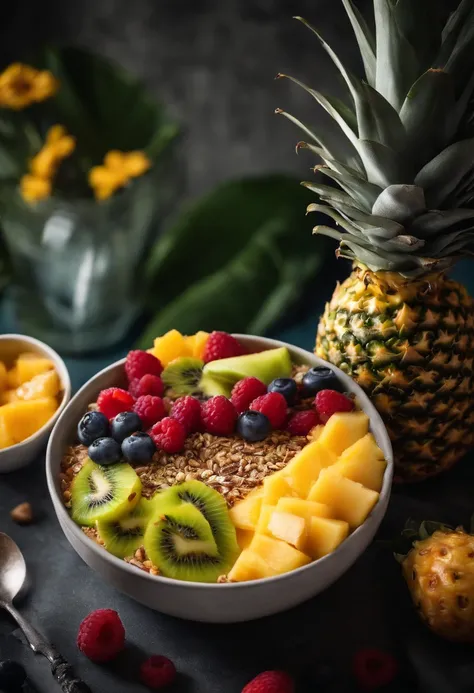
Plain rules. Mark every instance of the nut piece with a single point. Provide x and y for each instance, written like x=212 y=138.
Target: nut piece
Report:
x=22 y=514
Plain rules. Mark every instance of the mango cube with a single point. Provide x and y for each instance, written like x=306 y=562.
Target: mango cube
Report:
x=196 y=344
x=289 y=528
x=279 y=555
x=324 y=536
x=304 y=468
x=316 y=432
x=343 y=430
x=348 y=500
x=6 y=439
x=275 y=487
x=13 y=380
x=8 y=396
x=244 y=538
x=250 y=566
x=28 y=365
x=363 y=462
x=3 y=376
x=303 y=508
x=264 y=519
x=22 y=419
x=170 y=346
x=245 y=513
x=42 y=385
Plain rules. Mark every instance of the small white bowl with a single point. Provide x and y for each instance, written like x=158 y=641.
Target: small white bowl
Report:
x=20 y=455
x=215 y=603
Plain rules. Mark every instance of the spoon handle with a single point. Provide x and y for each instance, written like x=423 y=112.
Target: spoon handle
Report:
x=61 y=670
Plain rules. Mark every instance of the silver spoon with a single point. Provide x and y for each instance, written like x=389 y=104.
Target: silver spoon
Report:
x=12 y=577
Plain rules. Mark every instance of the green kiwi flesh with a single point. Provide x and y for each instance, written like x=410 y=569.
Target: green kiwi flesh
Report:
x=180 y=542
x=183 y=375
x=104 y=493
x=124 y=536
x=265 y=365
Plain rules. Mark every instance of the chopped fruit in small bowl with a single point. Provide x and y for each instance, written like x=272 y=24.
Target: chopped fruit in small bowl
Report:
x=220 y=477
x=34 y=389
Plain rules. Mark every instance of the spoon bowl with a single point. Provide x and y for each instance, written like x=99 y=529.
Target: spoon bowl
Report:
x=12 y=569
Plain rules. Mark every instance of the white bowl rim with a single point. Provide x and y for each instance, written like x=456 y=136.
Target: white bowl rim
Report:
x=65 y=382
x=119 y=563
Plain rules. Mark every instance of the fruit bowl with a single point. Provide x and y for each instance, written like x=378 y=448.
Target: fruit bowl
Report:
x=215 y=603
x=11 y=345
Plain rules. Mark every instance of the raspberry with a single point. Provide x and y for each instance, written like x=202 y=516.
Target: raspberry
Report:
x=221 y=345
x=329 y=402
x=101 y=635
x=168 y=435
x=274 y=406
x=219 y=416
x=150 y=409
x=139 y=363
x=147 y=385
x=245 y=391
x=374 y=669
x=271 y=682
x=157 y=672
x=187 y=410
x=113 y=401
x=302 y=422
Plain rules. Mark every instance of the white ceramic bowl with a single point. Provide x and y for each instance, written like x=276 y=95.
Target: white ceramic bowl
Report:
x=11 y=345
x=227 y=603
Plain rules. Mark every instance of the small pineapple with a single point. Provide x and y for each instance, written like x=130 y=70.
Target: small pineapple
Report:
x=439 y=571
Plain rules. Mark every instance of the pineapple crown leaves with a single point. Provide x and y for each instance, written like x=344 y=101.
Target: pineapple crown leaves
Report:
x=404 y=161
x=418 y=531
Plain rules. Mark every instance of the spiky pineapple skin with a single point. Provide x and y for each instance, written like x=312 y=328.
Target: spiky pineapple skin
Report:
x=439 y=572
x=410 y=345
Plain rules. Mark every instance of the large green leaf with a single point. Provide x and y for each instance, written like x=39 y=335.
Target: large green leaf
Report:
x=365 y=39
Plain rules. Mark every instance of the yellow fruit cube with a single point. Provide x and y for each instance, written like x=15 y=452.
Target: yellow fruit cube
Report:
x=275 y=487
x=196 y=344
x=29 y=365
x=22 y=419
x=324 y=536
x=13 y=381
x=42 y=385
x=289 y=528
x=245 y=513
x=303 y=508
x=250 y=566
x=315 y=432
x=9 y=396
x=347 y=499
x=264 y=519
x=363 y=462
x=3 y=376
x=279 y=555
x=6 y=439
x=170 y=346
x=304 y=468
x=343 y=430
x=244 y=538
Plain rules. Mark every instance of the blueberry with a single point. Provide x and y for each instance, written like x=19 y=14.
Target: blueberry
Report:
x=12 y=676
x=320 y=378
x=253 y=426
x=105 y=451
x=124 y=424
x=286 y=387
x=138 y=447
x=93 y=425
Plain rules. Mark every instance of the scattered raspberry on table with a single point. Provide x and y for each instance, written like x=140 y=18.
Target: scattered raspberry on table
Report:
x=150 y=409
x=187 y=410
x=139 y=363
x=329 y=402
x=101 y=635
x=374 y=669
x=221 y=345
x=274 y=406
x=219 y=416
x=168 y=435
x=157 y=672
x=301 y=423
x=114 y=400
x=245 y=391
x=271 y=682
x=147 y=385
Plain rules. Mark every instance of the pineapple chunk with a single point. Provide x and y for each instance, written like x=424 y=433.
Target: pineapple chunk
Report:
x=279 y=555
x=13 y=380
x=289 y=528
x=6 y=439
x=347 y=499
x=196 y=343
x=363 y=462
x=245 y=513
x=250 y=566
x=9 y=396
x=29 y=365
x=343 y=430
x=324 y=536
x=3 y=376
x=304 y=468
x=170 y=346
x=244 y=538
x=42 y=385
x=303 y=508
x=22 y=419
x=275 y=487
x=264 y=519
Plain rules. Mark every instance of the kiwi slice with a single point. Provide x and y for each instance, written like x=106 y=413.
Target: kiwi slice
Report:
x=180 y=542
x=124 y=536
x=213 y=507
x=104 y=493
x=183 y=375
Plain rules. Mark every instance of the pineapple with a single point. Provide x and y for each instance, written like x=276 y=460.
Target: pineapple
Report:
x=439 y=571
x=404 y=214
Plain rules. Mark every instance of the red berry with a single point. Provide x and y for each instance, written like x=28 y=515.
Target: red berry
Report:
x=374 y=668
x=274 y=406
x=157 y=672
x=187 y=410
x=302 y=422
x=245 y=391
x=271 y=682
x=147 y=385
x=329 y=402
x=150 y=409
x=221 y=345
x=168 y=435
x=114 y=400
x=139 y=363
x=101 y=635
x=219 y=416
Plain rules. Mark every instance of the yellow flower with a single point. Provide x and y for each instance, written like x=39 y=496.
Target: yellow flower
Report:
x=137 y=163
x=21 y=85
x=44 y=165
x=34 y=188
x=119 y=167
